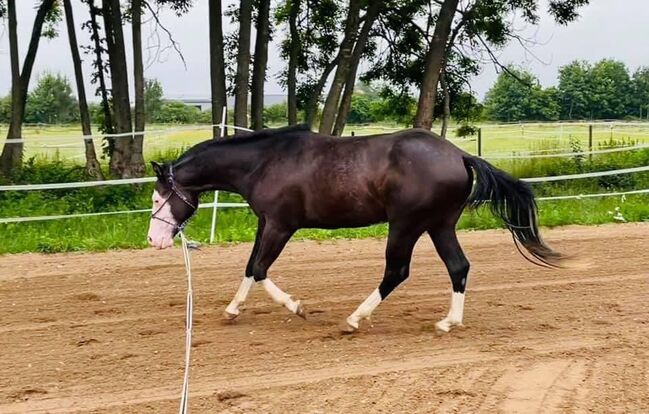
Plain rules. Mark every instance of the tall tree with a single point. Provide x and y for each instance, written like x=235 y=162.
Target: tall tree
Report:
x=295 y=47
x=11 y=156
x=93 y=168
x=259 y=65
x=311 y=49
x=136 y=164
x=346 y=100
x=446 y=116
x=611 y=90
x=517 y=96
x=641 y=91
x=434 y=62
x=217 y=64
x=120 y=160
x=243 y=65
x=100 y=69
x=574 y=90
x=342 y=69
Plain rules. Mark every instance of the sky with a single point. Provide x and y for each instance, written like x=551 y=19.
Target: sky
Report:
x=606 y=29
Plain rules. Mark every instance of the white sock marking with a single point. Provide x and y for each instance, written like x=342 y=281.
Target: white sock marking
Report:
x=455 y=313
x=240 y=296
x=279 y=296
x=365 y=309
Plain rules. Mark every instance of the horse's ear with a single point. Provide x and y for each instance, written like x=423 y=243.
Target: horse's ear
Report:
x=158 y=169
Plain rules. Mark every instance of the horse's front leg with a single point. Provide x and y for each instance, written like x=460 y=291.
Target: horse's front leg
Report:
x=271 y=241
x=232 y=310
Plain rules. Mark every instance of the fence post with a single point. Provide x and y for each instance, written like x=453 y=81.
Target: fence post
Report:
x=479 y=142
x=216 y=193
x=590 y=141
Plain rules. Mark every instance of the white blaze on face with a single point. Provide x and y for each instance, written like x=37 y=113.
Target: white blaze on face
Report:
x=160 y=232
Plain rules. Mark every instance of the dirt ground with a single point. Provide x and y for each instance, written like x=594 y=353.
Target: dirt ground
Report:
x=105 y=332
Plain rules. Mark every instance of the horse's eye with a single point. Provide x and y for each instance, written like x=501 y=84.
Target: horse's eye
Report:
x=156 y=201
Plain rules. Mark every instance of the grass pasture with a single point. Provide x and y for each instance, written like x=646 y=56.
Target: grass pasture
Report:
x=55 y=151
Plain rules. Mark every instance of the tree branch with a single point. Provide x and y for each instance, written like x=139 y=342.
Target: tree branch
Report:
x=174 y=44
x=497 y=63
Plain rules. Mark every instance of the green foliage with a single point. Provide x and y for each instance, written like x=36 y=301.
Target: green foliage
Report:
x=517 y=95
x=600 y=91
x=276 y=114
x=5 y=109
x=574 y=87
x=361 y=110
x=611 y=89
x=466 y=108
x=641 y=92
x=52 y=20
x=152 y=99
x=51 y=101
x=466 y=130
x=175 y=112
x=395 y=107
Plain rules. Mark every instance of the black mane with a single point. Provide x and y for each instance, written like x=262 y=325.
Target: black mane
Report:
x=254 y=136
x=267 y=133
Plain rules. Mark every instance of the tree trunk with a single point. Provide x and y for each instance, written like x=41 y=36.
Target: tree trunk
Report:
x=243 y=66
x=312 y=106
x=346 y=101
x=12 y=153
x=294 y=54
x=217 y=65
x=259 y=66
x=93 y=168
x=434 y=62
x=447 y=103
x=342 y=70
x=122 y=147
x=137 y=155
x=109 y=126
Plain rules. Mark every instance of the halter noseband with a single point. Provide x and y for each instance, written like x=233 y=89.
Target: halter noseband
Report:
x=180 y=195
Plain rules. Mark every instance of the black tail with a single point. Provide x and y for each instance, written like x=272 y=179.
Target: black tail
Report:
x=513 y=201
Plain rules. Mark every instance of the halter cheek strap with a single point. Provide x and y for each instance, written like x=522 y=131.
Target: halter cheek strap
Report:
x=180 y=195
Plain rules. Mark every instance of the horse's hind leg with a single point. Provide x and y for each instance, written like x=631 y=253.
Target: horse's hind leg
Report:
x=401 y=241
x=448 y=248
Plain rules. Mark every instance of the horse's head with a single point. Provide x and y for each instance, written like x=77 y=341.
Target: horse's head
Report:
x=172 y=207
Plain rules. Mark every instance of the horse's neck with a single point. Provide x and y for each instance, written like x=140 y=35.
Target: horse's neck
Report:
x=224 y=167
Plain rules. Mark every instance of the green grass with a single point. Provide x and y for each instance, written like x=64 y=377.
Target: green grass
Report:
x=238 y=225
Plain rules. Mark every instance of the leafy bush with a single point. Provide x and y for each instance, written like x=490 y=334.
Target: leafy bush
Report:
x=51 y=101
x=176 y=112
x=466 y=130
x=361 y=110
x=276 y=114
x=5 y=109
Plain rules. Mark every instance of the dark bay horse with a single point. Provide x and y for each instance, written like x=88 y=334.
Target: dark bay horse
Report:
x=294 y=178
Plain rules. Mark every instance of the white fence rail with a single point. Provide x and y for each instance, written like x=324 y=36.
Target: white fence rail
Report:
x=215 y=205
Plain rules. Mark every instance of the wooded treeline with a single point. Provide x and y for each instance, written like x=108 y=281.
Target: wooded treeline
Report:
x=428 y=49
x=601 y=90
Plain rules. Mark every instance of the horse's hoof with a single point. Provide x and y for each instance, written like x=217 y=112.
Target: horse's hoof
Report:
x=347 y=328
x=442 y=327
x=229 y=316
x=300 y=310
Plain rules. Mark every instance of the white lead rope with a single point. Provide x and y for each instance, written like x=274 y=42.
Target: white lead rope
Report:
x=184 y=397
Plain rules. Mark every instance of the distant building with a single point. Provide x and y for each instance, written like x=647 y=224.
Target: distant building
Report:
x=205 y=104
